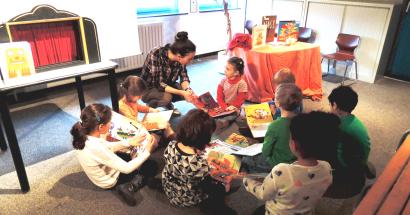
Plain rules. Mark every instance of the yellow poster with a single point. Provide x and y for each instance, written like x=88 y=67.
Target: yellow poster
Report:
x=16 y=60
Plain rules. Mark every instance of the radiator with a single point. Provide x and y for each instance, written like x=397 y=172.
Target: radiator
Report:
x=151 y=35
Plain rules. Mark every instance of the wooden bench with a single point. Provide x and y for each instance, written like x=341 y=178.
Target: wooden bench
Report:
x=391 y=192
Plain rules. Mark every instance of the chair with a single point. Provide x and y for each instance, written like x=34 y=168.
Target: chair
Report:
x=304 y=34
x=346 y=44
x=249 y=24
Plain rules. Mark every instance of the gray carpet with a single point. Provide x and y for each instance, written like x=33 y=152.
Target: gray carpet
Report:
x=42 y=134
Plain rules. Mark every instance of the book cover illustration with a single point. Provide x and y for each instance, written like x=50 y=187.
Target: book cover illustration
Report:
x=123 y=128
x=259 y=35
x=237 y=140
x=270 y=22
x=157 y=120
x=207 y=103
x=258 y=117
x=223 y=167
x=16 y=60
x=287 y=30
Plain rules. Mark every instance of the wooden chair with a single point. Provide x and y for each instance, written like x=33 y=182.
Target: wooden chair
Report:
x=346 y=43
x=304 y=34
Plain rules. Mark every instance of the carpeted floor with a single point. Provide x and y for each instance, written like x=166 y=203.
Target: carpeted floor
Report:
x=58 y=185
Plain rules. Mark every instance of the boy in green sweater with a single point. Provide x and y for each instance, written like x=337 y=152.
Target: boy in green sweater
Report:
x=275 y=150
x=354 y=146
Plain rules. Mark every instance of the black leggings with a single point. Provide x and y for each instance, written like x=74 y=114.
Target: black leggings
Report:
x=148 y=169
x=215 y=203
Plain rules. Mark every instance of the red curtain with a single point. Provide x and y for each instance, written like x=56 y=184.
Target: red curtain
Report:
x=51 y=43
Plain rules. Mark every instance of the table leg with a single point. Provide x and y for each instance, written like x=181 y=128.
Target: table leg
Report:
x=3 y=144
x=13 y=144
x=80 y=91
x=113 y=90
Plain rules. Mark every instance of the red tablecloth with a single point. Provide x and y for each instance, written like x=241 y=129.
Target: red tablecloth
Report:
x=262 y=63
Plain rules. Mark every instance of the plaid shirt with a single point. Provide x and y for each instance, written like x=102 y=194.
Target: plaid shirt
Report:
x=159 y=72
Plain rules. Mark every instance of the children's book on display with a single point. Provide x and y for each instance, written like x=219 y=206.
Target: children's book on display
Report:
x=270 y=22
x=123 y=128
x=287 y=30
x=156 y=120
x=16 y=61
x=258 y=117
x=207 y=102
x=259 y=36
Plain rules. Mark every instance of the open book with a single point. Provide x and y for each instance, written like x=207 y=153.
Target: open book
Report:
x=157 y=120
x=258 y=117
x=123 y=128
x=208 y=103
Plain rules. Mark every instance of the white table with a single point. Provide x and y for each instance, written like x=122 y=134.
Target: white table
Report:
x=42 y=78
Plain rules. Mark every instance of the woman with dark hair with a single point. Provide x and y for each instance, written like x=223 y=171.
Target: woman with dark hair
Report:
x=185 y=177
x=98 y=157
x=163 y=67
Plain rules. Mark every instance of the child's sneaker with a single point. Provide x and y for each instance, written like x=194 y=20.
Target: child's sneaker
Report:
x=127 y=193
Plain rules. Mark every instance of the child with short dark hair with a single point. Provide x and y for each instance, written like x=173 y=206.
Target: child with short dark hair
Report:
x=353 y=150
x=296 y=188
x=98 y=157
x=185 y=178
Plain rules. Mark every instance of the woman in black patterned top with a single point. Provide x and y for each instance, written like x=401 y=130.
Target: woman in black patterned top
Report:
x=185 y=177
x=163 y=67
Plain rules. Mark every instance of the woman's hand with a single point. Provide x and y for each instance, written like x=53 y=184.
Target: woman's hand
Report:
x=137 y=141
x=188 y=96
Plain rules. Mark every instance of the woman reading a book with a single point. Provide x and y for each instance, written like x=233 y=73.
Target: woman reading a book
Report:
x=98 y=157
x=161 y=70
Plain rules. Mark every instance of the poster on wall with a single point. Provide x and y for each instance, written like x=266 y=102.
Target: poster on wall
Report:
x=259 y=36
x=16 y=60
x=287 y=30
x=270 y=22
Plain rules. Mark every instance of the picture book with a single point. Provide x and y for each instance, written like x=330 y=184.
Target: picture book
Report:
x=259 y=35
x=270 y=22
x=123 y=128
x=223 y=167
x=207 y=102
x=157 y=120
x=237 y=140
x=16 y=60
x=258 y=117
x=287 y=30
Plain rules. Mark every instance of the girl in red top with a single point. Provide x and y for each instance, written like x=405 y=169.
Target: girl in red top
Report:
x=232 y=90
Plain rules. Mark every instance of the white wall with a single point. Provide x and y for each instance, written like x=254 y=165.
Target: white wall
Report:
x=113 y=19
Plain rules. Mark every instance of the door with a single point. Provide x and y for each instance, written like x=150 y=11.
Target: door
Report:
x=400 y=64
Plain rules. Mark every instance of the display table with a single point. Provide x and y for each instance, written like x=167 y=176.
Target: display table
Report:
x=261 y=63
x=76 y=72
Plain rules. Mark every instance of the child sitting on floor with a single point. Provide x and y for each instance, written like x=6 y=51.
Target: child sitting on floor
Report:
x=98 y=157
x=130 y=92
x=296 y=188
x=185 y=178
x=282 y=76
x=275 y=148
x=232 y=90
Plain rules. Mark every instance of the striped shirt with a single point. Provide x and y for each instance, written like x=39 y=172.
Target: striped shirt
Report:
x=159 y=72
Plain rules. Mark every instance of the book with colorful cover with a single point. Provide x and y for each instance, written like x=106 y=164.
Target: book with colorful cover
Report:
x=286 y=30
x=207 y=102
x=223 y=167
x=259 y=35
x=270 y=22
x=237 y=140
x=16 y=60
x=258 y=117
x=123 y=128
x=156 y=120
